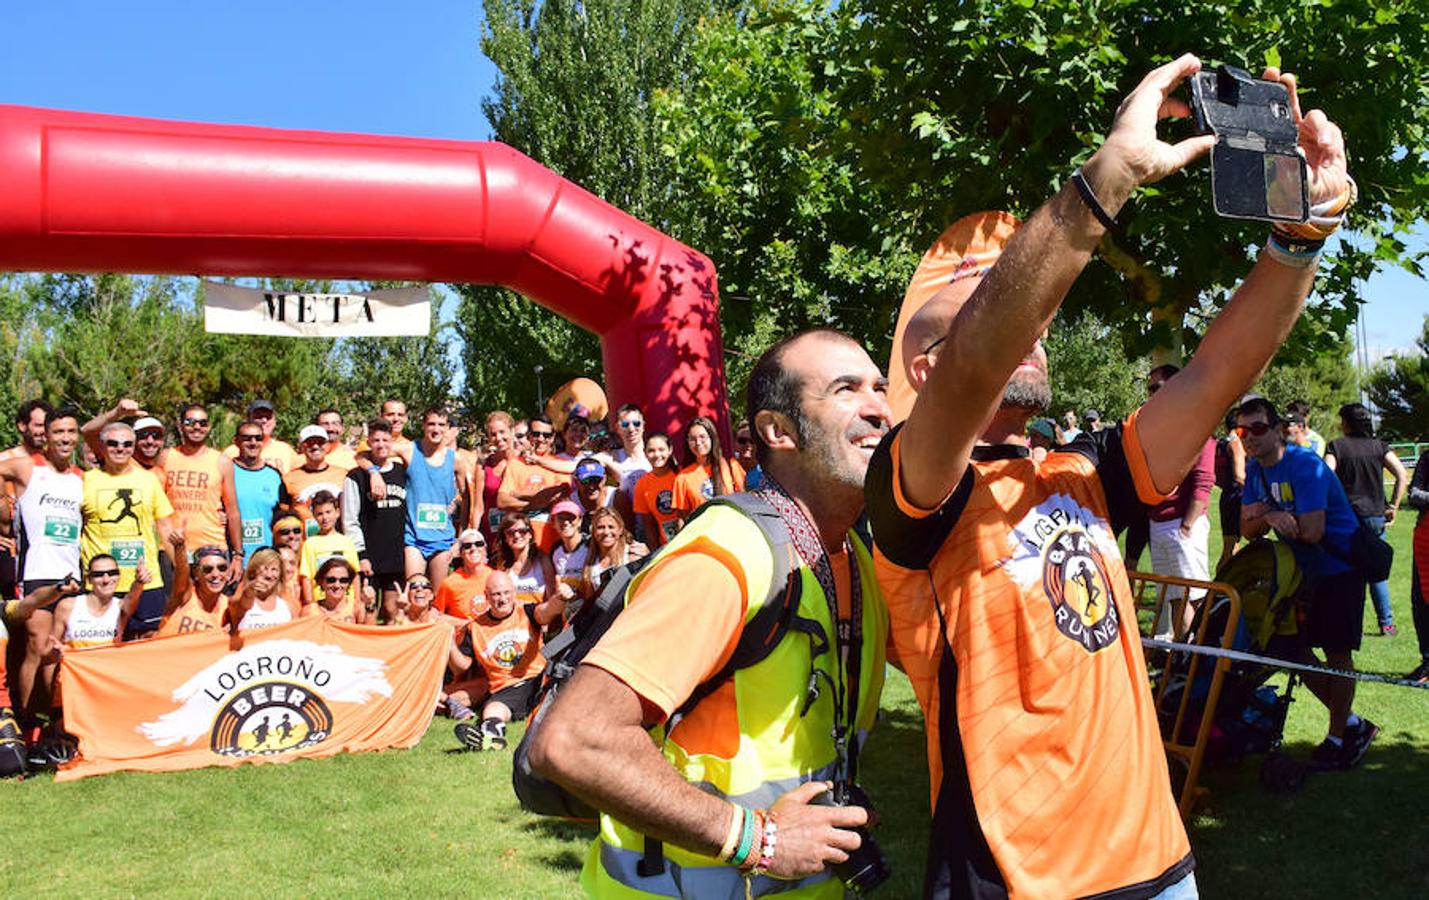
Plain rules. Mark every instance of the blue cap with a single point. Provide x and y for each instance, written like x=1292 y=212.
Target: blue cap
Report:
x=589 y=468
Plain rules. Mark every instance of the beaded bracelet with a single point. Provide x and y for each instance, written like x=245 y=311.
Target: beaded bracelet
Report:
x=766 y=848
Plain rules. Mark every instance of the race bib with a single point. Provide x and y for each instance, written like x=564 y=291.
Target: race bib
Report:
x=670 y=528
x=60 y=530
x=432 y=515
x=253 y=531
x=127 y=553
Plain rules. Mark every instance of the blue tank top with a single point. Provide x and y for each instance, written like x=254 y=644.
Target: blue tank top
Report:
x=430 y=492
x=258 y=494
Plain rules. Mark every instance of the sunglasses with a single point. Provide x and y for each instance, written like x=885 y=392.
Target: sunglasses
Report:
x=285 y=532
x=104 y=573
x=209 y=570
x=195 y=421
x=118 y=444
x=250 y=437
x=420 y=586
x=337 y=579
x=467 y=545
x=315 y=442
x=1256 y=428
x=543 y=435
x=630 y=423
x=526 y=531
x=933 y=346
x=149 y=435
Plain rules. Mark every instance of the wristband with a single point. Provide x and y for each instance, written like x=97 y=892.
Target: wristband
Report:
x=736 y=828
x=746 y=839
x=767 y=847
x=1289 y=251
x=373 y=470
x=1090 y=199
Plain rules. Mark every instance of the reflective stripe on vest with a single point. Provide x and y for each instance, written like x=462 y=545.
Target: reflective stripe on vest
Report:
x=777 y=748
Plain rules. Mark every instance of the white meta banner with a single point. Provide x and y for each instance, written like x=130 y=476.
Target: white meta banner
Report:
x=396 y=312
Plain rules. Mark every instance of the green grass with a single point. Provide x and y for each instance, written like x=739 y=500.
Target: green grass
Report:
x=434 y=822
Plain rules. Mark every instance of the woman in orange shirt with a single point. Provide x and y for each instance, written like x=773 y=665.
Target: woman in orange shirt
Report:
x=654 y=492
x=334 y=599
x=709 y=474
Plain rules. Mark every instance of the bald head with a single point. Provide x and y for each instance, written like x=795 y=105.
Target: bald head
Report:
x=500 y=593
x=930 y=324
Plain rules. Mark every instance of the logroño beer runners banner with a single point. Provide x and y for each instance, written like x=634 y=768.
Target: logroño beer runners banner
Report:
x=393 y=312
x=308 y=688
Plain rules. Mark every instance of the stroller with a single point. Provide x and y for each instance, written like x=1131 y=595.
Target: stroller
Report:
x=1249 y=715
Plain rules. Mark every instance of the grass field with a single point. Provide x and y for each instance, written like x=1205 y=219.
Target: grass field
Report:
x=436 y=822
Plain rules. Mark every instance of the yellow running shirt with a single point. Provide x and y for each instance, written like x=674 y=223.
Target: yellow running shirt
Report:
x=119 y=516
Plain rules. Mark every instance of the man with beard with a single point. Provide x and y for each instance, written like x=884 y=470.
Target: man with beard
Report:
x=30 y=423
x=1010 y=604
x=743 y=763
x=49 y=492
x=199 y=482
x=258 y=488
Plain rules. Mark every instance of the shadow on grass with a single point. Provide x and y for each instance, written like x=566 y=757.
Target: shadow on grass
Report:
x=1345 y=834
x=564 y=858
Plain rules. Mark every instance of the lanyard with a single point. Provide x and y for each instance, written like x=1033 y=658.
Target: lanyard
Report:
x=848 y=633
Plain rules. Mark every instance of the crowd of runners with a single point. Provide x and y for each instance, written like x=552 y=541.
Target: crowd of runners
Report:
x=123 y=527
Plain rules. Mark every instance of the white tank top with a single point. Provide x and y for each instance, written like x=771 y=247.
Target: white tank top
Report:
x=258 y=617
x=50 y=512
x=84 y=629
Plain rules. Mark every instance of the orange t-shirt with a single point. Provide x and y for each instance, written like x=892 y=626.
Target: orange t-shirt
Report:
x=463 y=595
x=191 y=616
x=524 y=478
x=303 y=484
x=508 y=650
x=695 y=484
x=194 y=483
x=1011 y=613
x=276 y=453
x=654 y=496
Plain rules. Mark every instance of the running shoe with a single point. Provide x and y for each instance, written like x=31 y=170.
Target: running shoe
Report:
x=1390 y=630
x=1328 y=756
x=469 y=735
x=1357 y=741
x=495 y=731
x=1419 y=675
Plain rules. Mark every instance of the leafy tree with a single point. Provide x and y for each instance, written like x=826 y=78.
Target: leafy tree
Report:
x=574 y=92
x=1326 y=380
x=1399 y=388
x=1090 y=367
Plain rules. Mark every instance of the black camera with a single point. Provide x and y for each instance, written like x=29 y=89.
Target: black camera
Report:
x=866 y=867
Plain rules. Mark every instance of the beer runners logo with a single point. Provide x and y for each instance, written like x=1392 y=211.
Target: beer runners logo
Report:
x=507 y=647
x=268 y=698
x=1065 y=546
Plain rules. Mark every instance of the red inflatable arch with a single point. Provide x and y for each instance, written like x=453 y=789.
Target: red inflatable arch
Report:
x=81 y=192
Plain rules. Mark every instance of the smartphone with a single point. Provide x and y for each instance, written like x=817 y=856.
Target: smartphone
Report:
x=1257 y=170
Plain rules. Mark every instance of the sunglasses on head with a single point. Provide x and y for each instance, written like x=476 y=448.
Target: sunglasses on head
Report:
x=118 y=444
x=337 y=579
x=1256 y=428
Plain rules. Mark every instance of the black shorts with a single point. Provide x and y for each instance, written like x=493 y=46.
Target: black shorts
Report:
x=1230 y=513
x=1334 y=611
x=386 y=581
x=29 y=586
x=150 y=613
x=520 y=697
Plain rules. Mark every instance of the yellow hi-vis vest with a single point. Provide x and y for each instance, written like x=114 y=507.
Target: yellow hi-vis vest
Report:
x=778 y=749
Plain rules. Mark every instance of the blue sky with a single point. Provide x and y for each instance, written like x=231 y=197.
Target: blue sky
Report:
x=359 y=65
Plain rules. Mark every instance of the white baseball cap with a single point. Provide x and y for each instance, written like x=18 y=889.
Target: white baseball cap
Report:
x=312 y=431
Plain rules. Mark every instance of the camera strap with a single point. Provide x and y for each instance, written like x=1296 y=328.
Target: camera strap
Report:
x=848 y=633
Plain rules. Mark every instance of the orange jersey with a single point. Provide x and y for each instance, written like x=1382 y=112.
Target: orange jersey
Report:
x=1012 y=615
x=303 y=484
x=191 y=616
x=654 y=496
x=463 y=595
x=345 y=611
x=695 y=483
x=194 y=484
x=275 y=453
x=508 y=650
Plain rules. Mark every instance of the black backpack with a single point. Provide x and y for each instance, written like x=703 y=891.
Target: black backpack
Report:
x=776 y=617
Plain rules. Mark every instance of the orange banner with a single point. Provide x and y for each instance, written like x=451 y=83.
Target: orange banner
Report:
x=309 y=688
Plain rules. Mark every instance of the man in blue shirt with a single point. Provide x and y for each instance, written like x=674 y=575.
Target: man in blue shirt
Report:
x=1290 y=490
